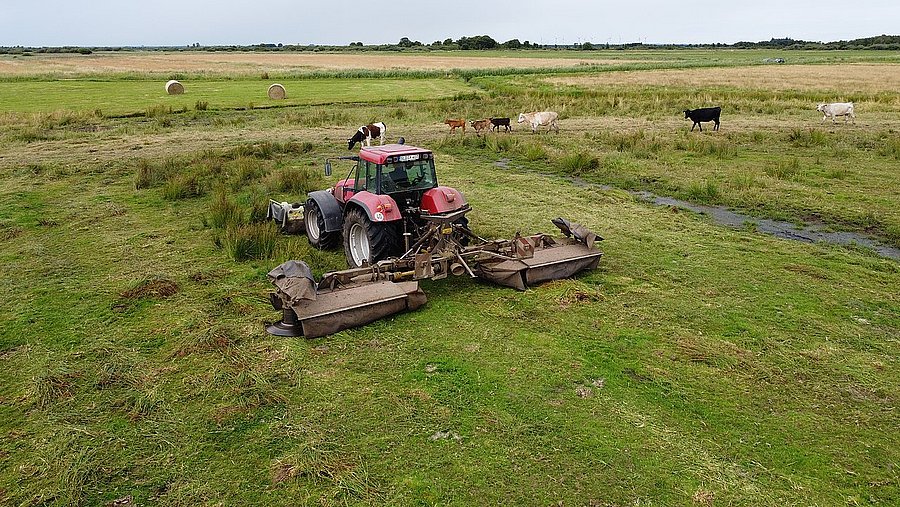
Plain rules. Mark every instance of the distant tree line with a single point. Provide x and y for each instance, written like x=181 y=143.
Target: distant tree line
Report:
x=481 y=42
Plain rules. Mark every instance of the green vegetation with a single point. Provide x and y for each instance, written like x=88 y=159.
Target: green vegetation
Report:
x=700 y=365
x=125 y=97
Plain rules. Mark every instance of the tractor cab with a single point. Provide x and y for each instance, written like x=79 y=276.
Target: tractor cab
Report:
x=395 y=169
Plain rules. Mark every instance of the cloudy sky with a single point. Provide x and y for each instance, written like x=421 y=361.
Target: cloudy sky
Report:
x=180 y=22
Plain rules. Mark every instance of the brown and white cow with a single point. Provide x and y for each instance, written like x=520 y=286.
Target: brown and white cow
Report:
x=366 y=133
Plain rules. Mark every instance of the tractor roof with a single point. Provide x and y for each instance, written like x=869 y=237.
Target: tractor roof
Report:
x=379 y=154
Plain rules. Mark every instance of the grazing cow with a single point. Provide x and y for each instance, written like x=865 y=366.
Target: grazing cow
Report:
x=496 y=123
x=703 y=114
x=454 y=124
x=543 y=118
x=480 y=125
x=844 y=109
x=366 y=133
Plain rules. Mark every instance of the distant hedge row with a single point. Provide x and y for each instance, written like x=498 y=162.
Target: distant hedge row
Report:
x=482 y=42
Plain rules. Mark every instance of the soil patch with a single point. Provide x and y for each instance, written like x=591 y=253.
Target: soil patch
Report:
x=153 y=288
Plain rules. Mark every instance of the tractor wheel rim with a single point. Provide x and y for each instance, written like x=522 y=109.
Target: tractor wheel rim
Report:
x=359 y=244
x=312 y=225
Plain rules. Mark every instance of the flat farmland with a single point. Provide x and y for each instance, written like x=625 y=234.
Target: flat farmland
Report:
x=122 y=97
x=699 y=365
x=230 y=64
x=846 y=78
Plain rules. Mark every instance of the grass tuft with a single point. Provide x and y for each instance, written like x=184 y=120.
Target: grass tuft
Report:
x=253 y=241
x=578 y=163
x=704 y=192
x=784 y=170
x=297 y=181
x=224 y=212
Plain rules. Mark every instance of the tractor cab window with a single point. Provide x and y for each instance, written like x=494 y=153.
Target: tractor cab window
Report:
x=366 y=177
x=409 y=175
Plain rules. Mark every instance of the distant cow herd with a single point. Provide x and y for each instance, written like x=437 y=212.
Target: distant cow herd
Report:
x=550 y=119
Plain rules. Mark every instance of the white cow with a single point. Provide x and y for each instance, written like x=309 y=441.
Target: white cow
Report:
x=844 y=109
x=543 y=118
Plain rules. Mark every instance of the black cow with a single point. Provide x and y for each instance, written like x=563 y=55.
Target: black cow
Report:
x=703 y=114
x=496 y=123
x=366 y=133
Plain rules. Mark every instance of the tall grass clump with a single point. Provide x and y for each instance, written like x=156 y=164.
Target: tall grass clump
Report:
x=784 y=170
x=182 y=186
x=258 y=204
x=500 y=144
x=295 y=180
x=224 y=212
x=201 y=105
x=152 y=175
x=578 y=163
x=245 y=170
x=158 y=111
x=534 y=152
x=889 y=148
x=252 y=241
x=711 y=147
x=318 y=117
x=705 y=192
x=638 y=143
x=807 y=138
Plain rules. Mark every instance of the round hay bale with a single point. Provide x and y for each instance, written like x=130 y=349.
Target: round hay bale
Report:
x=277 y=92
x=174 y=88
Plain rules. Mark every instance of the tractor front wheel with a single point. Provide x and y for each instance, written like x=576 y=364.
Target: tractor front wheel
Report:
x=367 y=242
x=315 y=228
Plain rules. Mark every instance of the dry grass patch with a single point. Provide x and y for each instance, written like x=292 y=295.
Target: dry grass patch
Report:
x=847 y=78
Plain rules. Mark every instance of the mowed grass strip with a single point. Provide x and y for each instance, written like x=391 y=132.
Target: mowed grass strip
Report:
x=129 y=97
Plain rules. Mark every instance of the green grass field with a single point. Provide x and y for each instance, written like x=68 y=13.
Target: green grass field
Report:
x=699 y=365
x=123 y=97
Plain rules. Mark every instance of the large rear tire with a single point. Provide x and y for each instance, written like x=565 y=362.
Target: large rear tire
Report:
x=315 y=228
x=367 y=242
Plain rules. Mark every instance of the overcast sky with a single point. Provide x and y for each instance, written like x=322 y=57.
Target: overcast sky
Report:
x=209 y=22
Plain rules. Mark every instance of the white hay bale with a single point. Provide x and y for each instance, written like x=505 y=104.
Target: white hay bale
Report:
x=277 y=92
x=174 y=88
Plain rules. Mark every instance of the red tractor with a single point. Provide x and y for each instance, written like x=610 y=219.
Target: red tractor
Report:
x=379 y=208
x=398 y=227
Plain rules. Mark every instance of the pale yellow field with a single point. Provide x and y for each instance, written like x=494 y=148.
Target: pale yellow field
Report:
x=242 y=63
x=847 y=78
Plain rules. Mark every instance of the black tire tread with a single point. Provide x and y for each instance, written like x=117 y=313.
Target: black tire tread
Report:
x=327 y=240
x=384 y=238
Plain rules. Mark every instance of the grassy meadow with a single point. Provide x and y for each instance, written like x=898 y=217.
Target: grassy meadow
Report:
x=699 y=365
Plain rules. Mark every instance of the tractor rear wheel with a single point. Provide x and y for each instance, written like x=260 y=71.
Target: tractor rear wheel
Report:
x=315 y=228
x=367 y=242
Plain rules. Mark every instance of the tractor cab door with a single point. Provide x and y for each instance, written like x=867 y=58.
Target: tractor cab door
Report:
x=366 y=177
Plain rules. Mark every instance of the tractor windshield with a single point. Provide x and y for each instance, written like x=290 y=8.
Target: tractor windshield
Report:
x=407 y=176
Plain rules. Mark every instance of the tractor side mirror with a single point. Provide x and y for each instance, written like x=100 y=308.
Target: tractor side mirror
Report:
x=327 y=168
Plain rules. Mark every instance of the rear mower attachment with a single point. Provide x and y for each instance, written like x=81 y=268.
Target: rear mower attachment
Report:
x=358 y=296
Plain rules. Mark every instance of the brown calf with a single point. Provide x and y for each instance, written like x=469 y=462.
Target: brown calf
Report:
x=456 y=123
x=480 y=125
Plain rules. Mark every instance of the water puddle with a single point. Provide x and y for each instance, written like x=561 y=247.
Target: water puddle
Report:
x=810 y=233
